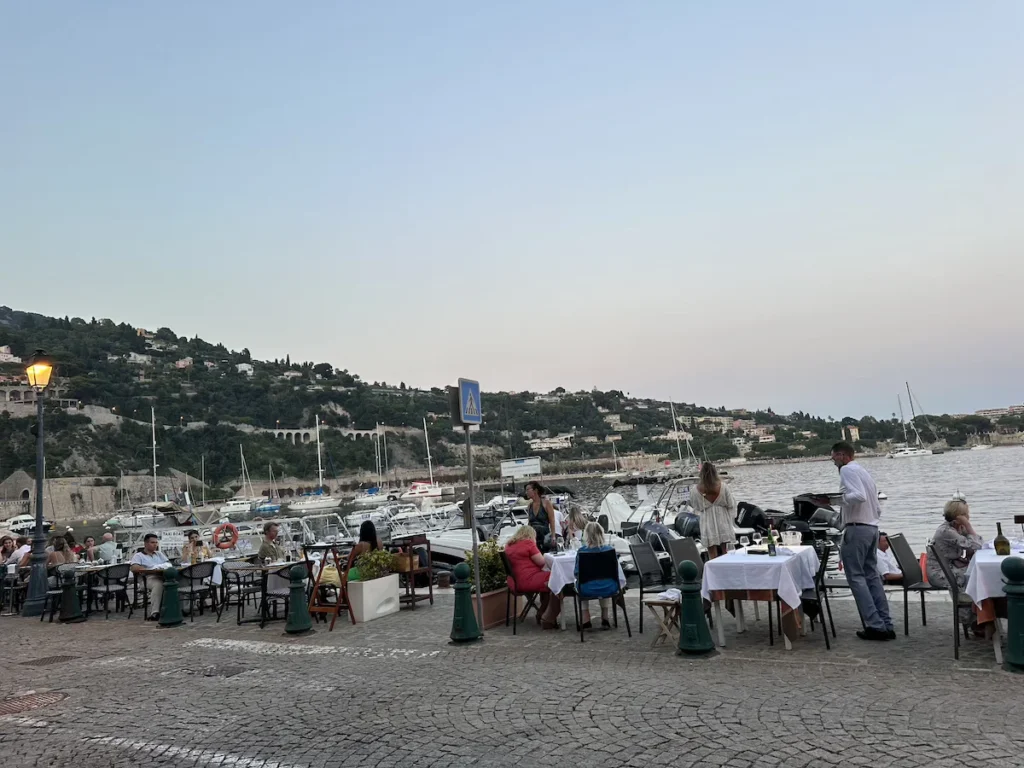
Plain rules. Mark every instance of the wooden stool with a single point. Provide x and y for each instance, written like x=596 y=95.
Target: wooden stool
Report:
x=667 y=618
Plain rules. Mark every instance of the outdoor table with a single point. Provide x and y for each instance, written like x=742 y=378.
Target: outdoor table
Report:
x=985 y=588
x=741 y=576
x=563 y=574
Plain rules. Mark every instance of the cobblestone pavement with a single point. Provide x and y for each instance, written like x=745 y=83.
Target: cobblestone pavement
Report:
x=395 y=693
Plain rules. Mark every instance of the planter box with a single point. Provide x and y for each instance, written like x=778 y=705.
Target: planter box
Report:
x=372 y=599
x=494 y=608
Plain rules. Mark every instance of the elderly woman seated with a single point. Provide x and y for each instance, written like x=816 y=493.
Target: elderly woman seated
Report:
x=955 y=541
x=527 y=565
x=602 y=589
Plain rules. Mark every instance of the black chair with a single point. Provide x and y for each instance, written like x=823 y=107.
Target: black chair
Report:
x=815 y=599
x=240 y=582
x=53 y=594
x=913 y=579
x=277 y=593
x=513 y=595
x=686 y=549
x=649 y=569
x=959 y=598
x=195 y=583
x=598 y=566
x=115 y=584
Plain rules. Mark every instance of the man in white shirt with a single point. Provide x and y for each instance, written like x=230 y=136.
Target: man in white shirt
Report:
x=860 y=515
x=888 y=568
x=146 y=561
x=24 y=547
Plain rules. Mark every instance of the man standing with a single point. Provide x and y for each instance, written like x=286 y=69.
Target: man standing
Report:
x=145 y=563
x=860 y=515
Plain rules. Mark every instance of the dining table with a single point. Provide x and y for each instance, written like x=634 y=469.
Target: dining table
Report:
x=985 y=588
x=747 y=574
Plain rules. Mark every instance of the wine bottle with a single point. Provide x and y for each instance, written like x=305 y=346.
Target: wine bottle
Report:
x=1002 y=543
x=771 y=543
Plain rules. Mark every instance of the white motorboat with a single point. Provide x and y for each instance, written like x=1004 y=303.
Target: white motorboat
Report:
x=908 y=452
x=981 y=447
x=422 y=490
x=317 y=500
x=24 y=525
x=373 y=497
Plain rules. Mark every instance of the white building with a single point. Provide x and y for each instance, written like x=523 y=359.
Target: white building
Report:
x=245 y=368
x=766 y=439
x=134 y=358
x=7 y=357
x=742 y=445
x=556 y=443
x=291 y=375
x=712 y=423
x=615 y=421
x=761 y=431
x=993 y=414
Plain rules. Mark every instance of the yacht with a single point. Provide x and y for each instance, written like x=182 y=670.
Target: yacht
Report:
x=24 y=525
x=317 y=500
x=422 y=490
x=905 y=450
x=373 y=497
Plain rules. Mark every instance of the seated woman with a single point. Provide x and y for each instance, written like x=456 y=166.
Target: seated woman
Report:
x=956 y=541
x=6 y=548
x=368 y=541
x=195 y=550
x=61 y=555
x=575 y=523
x=527 y=565
x=603 y=589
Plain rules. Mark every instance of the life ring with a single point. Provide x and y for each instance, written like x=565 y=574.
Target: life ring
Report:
x=219 y=539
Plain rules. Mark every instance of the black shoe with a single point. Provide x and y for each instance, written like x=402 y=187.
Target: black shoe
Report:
x=586 y=625
x=605 y=624
x=872 y=634
x=891 y=634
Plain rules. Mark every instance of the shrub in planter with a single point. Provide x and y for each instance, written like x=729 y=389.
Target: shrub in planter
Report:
x=375 y=564
x=493 y=590
x=375 y=594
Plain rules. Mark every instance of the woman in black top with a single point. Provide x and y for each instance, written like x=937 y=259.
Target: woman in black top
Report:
x=541 y=513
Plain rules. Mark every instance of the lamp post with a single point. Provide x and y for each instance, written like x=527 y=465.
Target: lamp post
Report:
x=39 y=370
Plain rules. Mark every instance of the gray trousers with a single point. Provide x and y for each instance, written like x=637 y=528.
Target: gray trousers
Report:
x=860 y=543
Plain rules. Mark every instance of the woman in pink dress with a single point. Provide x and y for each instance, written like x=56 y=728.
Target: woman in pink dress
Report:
x=527 y=565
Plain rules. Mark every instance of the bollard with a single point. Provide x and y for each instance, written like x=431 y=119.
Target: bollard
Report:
x=464 y=626
x=70 y=608
x=299 y=620
x=170 y=605
x=694 y=635
x=1013 y=573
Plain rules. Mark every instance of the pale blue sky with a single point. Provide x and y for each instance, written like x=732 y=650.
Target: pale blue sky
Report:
x=750 y=204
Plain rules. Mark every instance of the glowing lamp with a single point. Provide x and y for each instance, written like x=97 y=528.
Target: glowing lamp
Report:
x=39 y=370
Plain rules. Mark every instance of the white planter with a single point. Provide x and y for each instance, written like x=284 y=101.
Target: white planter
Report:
x=372 y=599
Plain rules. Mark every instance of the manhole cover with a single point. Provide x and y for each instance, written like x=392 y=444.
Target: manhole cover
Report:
x=48 y=660
x=32 y=701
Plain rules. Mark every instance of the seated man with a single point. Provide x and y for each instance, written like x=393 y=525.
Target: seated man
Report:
x=150 y=559
x=270 y=549
x=23 y=548
x=107 y=551
x=886 y=564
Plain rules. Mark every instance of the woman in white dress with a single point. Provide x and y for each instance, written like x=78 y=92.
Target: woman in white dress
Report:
x=716 y=508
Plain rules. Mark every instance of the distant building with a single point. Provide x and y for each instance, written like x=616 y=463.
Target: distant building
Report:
x=993 y=414
x=144 y=333
x=185 y=362
x=743 y=424
x=245 y=368
x=759 y=431
x=613 y=438
x=291 y=375
x=853 y=433
x=589 y=439
x=7 y=357
x=742 y=445
x=675 y=434
x=808 y=434
x=210 y=365
x=615 y=421
x=766 y=439
x=552 y=398
x=712 y=423
x=556 y=443
x=134 y=358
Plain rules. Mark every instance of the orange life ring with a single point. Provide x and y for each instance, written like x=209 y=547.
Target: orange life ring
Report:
x=220 y=541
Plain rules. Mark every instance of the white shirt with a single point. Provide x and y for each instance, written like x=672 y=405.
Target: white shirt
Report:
x=19 y=553
x=886 y=563
x=150 y=562
x=860 y=495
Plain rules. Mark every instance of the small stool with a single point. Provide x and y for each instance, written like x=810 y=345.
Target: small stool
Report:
x=667 y=618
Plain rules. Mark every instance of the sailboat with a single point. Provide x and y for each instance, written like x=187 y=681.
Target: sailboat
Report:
x=252 y=502
x=378 y=494
x=618 y=474
x=420 y=489
x=317 y=499
x=907 y=451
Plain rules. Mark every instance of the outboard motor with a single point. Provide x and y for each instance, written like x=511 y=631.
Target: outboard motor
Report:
x=687 y=525
x=748 y=516
x=658 y=541
x=806 y=504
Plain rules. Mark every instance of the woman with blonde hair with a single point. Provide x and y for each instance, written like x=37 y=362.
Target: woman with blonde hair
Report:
x=714 y=505
x=527 y=565
x=955 y=541
x=575 y=523
x=593 y=541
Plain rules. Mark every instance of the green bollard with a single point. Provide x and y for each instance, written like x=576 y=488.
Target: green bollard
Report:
x=170 y=605
x=694 y=635
x=70 y=608
x=299 y=620
x=464 y=626
x=1013 y=572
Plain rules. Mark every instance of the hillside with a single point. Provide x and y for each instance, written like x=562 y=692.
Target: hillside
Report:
x=204 y=394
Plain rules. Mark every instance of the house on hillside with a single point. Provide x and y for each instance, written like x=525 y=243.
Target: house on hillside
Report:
x=291 y=375
x=185 y=362
x=134 y=358
x=7 y=357
x=245 y=368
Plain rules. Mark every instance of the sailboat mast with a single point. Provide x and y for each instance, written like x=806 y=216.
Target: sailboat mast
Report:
x=615 y=457
x=376 y=454
x=675 y=428
x=913 y=414
x=903 y=422
x=319 y=461
x=202 y=471
x=152 y=416
x=384 y=436
x=426 y=439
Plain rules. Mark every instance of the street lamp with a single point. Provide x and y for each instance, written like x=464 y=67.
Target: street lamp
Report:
x=38 y=371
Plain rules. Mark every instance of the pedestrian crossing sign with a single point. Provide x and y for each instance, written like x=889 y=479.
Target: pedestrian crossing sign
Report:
x=470 y=409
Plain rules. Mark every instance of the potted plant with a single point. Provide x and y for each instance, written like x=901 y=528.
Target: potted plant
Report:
x=375 y=594
x=493 y=589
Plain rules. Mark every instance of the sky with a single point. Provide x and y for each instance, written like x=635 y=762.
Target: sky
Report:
x=790 y=205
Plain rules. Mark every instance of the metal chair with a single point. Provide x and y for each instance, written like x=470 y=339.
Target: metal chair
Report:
x=513 y=595
x=959 y=598
x=277 y=594
x=598 y=566
x=913 y=579
x=239 y=582
x=195 y=583
x=115 y=584
x=685 y=549
x=817 y=598
x=649 y=569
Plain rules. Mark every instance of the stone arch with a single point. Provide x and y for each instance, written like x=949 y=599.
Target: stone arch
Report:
x=280 y=435
x=3 y=395
x=28 y=396
x=15 y=396
x=305 y=437
x=25 y=494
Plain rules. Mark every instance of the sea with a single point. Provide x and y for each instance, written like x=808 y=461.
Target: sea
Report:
x=992 y=481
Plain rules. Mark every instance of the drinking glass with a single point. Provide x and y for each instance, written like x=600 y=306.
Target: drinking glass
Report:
x=744 y=542
x=758 y=538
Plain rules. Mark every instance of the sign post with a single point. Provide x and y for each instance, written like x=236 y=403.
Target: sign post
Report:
x=470 y=414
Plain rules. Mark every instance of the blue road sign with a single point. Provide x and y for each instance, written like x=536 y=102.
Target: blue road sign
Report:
x=469 y=402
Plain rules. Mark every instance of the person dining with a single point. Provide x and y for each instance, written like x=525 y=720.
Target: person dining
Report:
x=151 y=559
x=6 y=548
x=885 y=562
x=575 y=524
x=527 y=565
x=22 y=547
x=88 y=551
x=593 y=541
x=955 y=541
x=714 y=505
x=194 y=550
x=270 y=549
x=368 y=542
x=107 y=551
x=541 y=514
x=61 y=554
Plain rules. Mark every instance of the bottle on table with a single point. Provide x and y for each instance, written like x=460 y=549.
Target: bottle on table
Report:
x=772 y=552
x=1002 y=544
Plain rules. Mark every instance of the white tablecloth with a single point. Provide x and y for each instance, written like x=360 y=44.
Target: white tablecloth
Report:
x=563 y=568
x=789 y=575
x=984 y=577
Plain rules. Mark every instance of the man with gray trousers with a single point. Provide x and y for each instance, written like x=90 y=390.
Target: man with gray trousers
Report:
x=860 y=515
